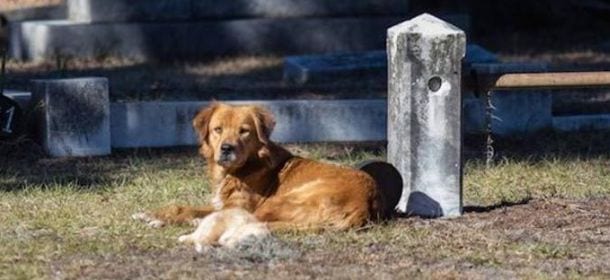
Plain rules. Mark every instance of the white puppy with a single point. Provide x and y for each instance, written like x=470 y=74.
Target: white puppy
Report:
x=227 y=227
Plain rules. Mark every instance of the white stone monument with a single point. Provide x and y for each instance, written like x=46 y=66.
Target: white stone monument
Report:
x=424 y=114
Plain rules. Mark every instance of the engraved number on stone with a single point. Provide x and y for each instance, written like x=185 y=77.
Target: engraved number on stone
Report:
x=10 y=112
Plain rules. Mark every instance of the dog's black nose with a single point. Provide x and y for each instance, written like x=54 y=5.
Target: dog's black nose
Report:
x=226 y=148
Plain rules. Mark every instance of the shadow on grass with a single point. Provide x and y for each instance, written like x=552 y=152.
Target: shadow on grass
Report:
x=23 y=164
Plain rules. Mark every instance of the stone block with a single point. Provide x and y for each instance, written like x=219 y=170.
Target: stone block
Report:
x=305 y=69
x=74 y=116
x=318 y=68
x=181 y=10
x=424 y=114
x=40 y=40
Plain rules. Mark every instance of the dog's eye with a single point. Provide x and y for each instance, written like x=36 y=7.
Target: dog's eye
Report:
x=218 y=130
x=244 y=131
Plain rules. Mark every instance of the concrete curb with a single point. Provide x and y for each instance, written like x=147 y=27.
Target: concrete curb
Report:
x=166 y=124
x=161 y=124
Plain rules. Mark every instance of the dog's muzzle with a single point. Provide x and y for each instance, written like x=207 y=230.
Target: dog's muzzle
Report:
x=227 y=154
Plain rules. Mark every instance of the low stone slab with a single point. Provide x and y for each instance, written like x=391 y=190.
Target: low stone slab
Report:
x=318 y=68
x=177 y=10
x=162 y=124
x=74 y=116
x=166 y=124
x=39 y=40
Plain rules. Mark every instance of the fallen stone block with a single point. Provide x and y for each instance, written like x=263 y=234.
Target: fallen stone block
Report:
x=74 y=116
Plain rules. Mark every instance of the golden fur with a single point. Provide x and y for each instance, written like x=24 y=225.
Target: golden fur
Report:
x=282 y=190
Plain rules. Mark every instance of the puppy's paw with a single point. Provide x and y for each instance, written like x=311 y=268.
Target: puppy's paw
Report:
x=148 y=219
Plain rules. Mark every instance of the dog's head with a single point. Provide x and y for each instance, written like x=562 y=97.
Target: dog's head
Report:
x=232 y=135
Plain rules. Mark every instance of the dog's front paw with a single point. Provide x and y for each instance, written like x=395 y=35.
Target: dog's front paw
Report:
x=148 y=219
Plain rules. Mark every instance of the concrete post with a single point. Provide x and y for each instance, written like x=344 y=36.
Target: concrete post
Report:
x=424 y=114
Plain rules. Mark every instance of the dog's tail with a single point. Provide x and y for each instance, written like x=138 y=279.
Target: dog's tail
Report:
x=389 y=187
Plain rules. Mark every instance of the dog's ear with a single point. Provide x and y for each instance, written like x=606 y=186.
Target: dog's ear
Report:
x=264 y=122
x=201 y=121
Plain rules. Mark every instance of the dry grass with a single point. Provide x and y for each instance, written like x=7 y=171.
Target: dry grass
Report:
x=8 y=5
x=544 y=216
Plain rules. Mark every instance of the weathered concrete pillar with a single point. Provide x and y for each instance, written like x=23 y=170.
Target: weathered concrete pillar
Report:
x=424 y=114
x=74 y=116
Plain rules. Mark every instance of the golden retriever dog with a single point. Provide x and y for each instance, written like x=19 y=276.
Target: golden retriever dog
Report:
x=286 y=192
